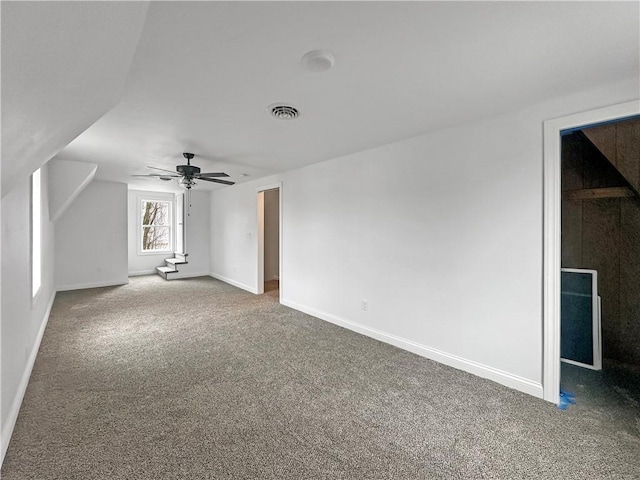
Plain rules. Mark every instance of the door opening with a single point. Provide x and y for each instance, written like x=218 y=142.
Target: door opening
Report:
x=600 y=255
x=553 y=132
x=269 y=241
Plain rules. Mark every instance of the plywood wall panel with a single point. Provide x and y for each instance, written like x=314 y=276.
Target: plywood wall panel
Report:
x=601 y=252
x=597 y=170
x=571 y=178
x=628 y=151
x=571 y=233
x=604 y=137
x=630 y=280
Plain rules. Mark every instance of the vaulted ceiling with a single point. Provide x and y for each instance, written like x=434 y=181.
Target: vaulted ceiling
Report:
x=198 y=76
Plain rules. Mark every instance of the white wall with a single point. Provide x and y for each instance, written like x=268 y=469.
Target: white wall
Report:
x=441 y=234
x=23 y=320
x=234 y=228
x=197 y=235
x=66 y=180
x=91 y=238
x=271 y=234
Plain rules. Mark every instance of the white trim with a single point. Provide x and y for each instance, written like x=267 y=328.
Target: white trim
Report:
x=551 y=235
x=504 y=378
x=260 y=241
x=168 y=198
x=595 y=320
x=171 y=276
x=81 y=286
x=579 y=364
x=271 y=186
x=142 y=272
x=224 y=279
x=12 y=417
x=181 y=275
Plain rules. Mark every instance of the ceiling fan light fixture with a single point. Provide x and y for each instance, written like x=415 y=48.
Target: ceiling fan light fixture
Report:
x=186 y=182
x=282 y=111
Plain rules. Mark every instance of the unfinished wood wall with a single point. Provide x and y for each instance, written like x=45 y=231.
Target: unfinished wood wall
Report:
x=603 y=234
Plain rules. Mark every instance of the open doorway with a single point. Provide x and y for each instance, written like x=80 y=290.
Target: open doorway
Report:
x=590 y=190
x=269 y=241
x=600 y=241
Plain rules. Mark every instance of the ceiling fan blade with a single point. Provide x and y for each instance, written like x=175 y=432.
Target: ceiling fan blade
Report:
x=225 y=182
x=164 y=170
x=155 y=175
x=215 y=174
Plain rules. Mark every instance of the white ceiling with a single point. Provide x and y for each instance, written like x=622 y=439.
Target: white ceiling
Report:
x=204 y=73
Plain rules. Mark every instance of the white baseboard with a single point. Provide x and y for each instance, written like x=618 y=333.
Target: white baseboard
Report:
x=81 y=286
x=142 y=272
x=243 y=286
x=504 y=378
x=179 y=275
x=7 y=428
x=172 y=276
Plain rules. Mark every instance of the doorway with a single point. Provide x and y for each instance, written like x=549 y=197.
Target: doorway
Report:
x=269 y=241
x=600 y=240
x=553 y=131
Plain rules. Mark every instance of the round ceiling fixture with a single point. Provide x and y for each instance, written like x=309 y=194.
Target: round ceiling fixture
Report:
x=318 y=60
x=283 y=111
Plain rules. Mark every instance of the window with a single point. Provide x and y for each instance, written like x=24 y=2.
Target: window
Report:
x=156 y=226
x=36 y=233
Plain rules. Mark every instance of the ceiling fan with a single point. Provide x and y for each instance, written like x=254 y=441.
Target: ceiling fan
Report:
x=187 y=174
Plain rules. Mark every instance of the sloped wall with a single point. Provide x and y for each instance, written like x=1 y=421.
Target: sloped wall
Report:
x=65 y=85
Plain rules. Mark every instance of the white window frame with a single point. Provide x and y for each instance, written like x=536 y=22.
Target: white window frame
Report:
x=36 y=233
x=153 y=198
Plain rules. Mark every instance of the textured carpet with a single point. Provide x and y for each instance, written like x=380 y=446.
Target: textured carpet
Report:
x=196 y=379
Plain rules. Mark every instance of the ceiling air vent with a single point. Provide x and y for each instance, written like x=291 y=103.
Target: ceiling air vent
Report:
x=283 y=112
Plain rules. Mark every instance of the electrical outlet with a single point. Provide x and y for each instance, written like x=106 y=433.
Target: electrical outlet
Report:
x=364 y=305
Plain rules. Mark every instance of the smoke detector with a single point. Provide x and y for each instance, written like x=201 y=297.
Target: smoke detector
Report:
x=282 y=111
x=318 y=60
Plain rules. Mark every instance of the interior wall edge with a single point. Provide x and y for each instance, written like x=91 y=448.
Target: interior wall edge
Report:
x=81 y=286
x=230 y=281
x=484 y=371
x=7 y=428
x=139 y=273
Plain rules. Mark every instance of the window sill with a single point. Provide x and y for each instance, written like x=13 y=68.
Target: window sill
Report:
x=156 y=252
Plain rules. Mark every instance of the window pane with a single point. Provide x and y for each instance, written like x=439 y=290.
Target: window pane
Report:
x=155 y=238
x=36 y=224
x=155 y=213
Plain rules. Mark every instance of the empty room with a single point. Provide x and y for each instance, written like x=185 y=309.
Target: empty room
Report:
x=300 y=240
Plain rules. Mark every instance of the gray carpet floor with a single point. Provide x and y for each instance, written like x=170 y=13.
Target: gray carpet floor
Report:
x=195 y=379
